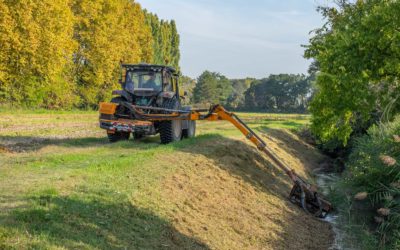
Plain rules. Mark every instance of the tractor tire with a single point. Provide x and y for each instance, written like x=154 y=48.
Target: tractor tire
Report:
x=170 y=131
x=190 y=131
x=118 y=136
x=137 y=136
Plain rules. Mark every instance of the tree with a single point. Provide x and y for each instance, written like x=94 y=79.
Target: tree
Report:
x=236 y=98
x=279 y=93
x=65 y=53
x=187 y=84
x=356 y=57
x=36 y=48
x=212 y=88
x=107 y=32
x=167 y=40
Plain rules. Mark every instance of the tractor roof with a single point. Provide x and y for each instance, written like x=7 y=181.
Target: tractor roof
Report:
x=144 y=66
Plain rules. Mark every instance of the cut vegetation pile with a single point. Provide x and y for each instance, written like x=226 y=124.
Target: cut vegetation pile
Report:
x=215 y=191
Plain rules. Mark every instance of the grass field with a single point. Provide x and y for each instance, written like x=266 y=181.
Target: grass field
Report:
x=63 y=186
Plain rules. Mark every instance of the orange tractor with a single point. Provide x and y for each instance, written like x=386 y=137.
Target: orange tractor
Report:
x=150 y=103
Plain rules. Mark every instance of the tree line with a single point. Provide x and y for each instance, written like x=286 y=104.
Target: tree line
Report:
x=66 y=53
x=275 y=93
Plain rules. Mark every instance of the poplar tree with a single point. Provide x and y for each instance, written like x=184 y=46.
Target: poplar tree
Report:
x=107 y=32
x=64 y=53
x=36 y=48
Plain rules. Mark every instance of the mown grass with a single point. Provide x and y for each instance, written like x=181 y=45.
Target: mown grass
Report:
x=63 y=186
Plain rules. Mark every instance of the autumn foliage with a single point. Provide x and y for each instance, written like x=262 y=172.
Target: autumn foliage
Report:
x=66 y=53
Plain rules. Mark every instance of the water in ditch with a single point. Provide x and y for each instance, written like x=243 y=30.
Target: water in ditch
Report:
x=325 y=181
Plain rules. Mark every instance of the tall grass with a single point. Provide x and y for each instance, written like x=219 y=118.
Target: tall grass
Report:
x=373 y=169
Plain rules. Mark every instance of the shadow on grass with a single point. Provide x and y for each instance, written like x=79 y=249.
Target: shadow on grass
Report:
x=32 y=143
x=240 y=159
x=301 y=150
x=90 y=222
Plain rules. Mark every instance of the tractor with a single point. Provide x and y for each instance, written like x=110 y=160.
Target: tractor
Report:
x=154 y=87
x=150 y=103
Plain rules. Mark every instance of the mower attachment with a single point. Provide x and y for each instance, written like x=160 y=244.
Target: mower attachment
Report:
x=305 y=196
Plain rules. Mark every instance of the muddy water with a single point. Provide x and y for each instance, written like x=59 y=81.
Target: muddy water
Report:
x=325 y=181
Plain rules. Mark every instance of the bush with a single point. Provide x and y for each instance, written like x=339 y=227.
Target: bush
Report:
x=374 y=168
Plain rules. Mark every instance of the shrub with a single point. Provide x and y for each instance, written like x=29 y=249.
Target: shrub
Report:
x=374 y=167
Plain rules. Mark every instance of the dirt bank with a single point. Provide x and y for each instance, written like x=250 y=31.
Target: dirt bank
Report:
x=228 y=196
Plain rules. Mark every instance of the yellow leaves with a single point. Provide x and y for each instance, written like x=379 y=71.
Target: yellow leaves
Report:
x=74 y=44
x=108 y=32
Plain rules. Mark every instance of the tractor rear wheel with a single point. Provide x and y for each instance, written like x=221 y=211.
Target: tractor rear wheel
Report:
x=137 y=136
x=171 y=131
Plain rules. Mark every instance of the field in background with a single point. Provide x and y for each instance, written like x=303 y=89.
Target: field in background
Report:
x=62 y=185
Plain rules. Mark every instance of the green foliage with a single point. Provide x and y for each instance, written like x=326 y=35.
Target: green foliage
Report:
x=374 y=167
x=276 y=93
x=66 y=53
x=166 y=41
x=237 y=97
x=356 y=56
x=212 y=88
x=187 y=84
x=279 y=93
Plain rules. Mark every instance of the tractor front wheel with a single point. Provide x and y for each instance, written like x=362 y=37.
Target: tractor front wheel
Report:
x=171 y=131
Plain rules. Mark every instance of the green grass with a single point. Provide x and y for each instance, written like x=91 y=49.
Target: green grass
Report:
x=63 y=186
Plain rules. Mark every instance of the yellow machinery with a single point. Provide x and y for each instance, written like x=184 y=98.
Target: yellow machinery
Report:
x=144 y=117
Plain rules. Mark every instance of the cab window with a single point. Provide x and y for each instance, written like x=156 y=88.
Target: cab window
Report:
x=168 y=83
x=142 y=79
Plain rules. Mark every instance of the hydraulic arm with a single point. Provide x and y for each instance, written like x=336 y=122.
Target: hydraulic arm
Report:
x=302 y=193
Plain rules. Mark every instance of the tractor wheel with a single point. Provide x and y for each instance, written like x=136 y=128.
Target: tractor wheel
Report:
x=190 y=131
x=170 y=131
x=118 y=136
x=137 y=136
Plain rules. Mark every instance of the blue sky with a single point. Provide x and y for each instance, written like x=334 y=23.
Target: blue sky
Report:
x=241 y=38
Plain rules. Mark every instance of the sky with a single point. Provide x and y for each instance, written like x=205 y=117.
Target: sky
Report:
x=239 y=38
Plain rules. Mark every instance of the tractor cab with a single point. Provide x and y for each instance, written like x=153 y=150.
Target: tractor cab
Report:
x=148 y=88
x=143 y=82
